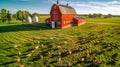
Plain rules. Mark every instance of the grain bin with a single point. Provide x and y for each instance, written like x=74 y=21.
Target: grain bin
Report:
x=28 y=19
x=35 y=19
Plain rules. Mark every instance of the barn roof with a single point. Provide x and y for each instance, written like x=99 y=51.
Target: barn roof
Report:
x=66 y=9
x=78 y=17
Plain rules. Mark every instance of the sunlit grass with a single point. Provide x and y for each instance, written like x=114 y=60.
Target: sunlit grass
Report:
x=95 y=43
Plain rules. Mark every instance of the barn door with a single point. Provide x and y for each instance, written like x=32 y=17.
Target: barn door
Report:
x=56 y=19
x=53 y=24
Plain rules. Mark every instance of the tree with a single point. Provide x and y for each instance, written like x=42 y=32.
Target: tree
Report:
x=0 y=16
x=14 y=16
x=90 y=16
x=94 y=15
x=109 y=15
x=99 y=15
x=36 y=14
x=3 y=15
x=20 y=15
x=9 y=16
x=27 y=13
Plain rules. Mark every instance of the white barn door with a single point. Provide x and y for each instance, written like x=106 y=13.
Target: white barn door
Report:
x=53 y=24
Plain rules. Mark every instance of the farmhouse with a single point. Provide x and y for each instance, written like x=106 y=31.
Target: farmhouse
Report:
x=63 y=16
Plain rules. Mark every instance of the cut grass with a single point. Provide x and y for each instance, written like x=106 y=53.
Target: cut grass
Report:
x=99 y=37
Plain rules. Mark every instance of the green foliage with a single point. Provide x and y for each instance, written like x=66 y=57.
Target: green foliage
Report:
x=26 y=13
x=0 y=15
x=9 y=16
x=99 y=15
x=94 y=15
x=104 y=20
x=36 y=14
x=14 y=16
x=108 y=16
x=3 y=15
x=20 y=15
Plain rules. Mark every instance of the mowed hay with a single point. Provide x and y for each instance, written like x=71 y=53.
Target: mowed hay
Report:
x=84 y=46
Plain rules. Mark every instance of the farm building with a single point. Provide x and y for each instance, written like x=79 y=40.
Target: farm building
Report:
x=28 y=19
x=35 y=19
x=63 y=16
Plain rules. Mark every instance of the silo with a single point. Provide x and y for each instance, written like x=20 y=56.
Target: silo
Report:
x=28 y=19
x=35 y=19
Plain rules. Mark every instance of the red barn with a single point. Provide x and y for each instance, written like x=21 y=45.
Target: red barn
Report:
x=63 y=16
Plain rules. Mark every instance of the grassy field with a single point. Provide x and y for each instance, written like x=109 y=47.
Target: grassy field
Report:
x=94 y=44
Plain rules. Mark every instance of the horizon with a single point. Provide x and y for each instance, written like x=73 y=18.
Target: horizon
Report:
x=81 y=7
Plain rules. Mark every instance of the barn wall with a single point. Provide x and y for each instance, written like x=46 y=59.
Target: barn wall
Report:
x=47 y=22
x=75 y=21
x=67 y=19
x=55 y=15
x=78 y=22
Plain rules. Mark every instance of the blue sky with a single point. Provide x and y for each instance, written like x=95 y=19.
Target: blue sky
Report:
x=81 y=6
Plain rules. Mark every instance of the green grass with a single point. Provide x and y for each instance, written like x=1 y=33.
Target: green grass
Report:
x=98 y=37
x=105 y=20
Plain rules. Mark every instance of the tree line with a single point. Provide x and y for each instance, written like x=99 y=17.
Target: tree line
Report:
x=20 y=15
x=99 y=15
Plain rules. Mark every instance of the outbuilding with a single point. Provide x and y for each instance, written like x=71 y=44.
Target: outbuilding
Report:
x=35 y=19
x=77 y=21
x=28 y=19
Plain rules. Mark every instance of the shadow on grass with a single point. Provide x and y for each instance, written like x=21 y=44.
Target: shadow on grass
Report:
x=23 y=27
x=7 y=63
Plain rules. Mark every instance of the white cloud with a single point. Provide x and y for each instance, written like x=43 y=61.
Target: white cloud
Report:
x=112 y=7
x=101 y=7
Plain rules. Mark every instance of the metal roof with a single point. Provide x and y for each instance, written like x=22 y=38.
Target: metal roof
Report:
x=78 y=17
x=66 y=9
